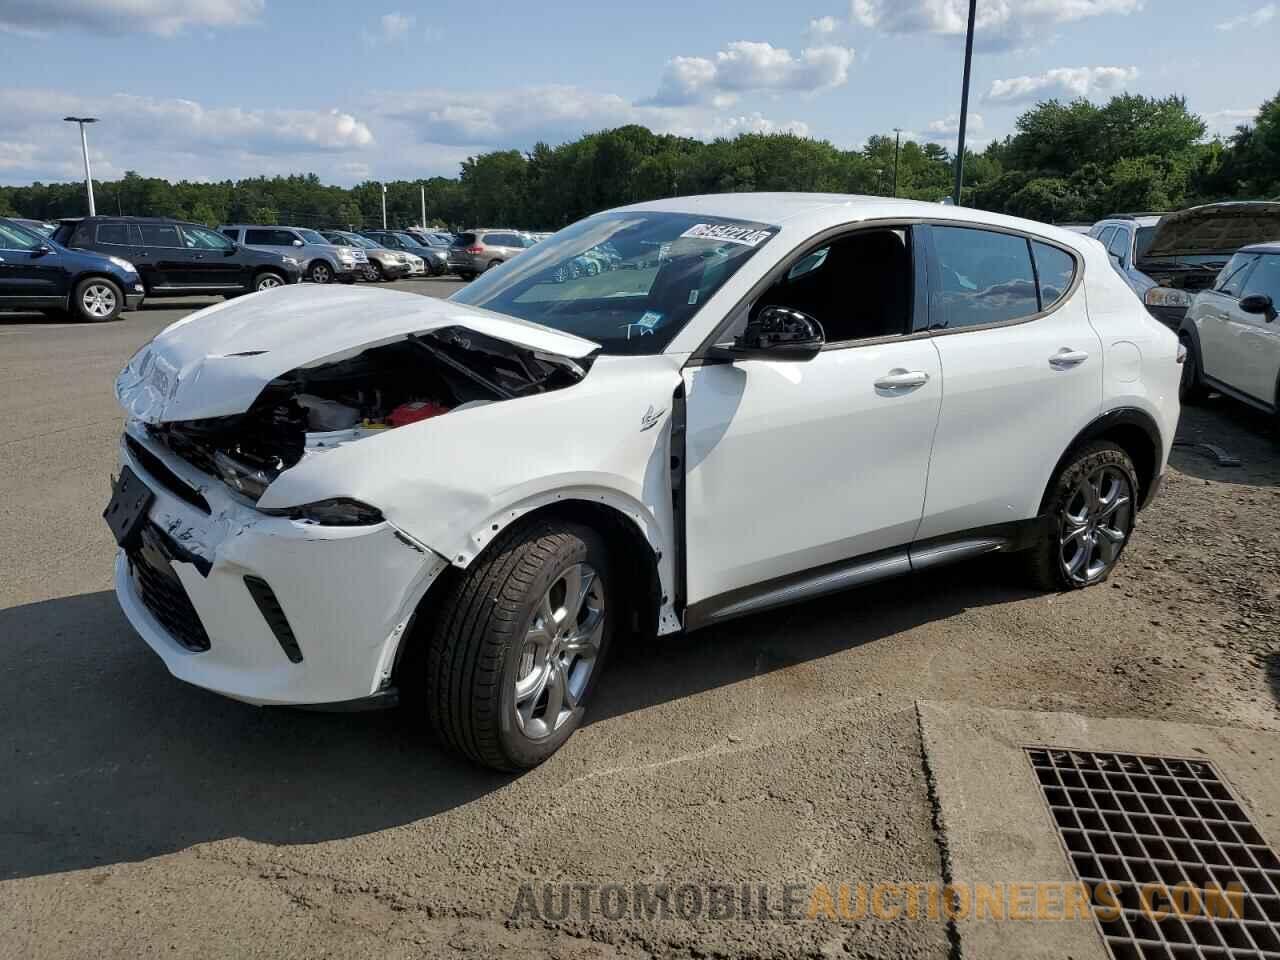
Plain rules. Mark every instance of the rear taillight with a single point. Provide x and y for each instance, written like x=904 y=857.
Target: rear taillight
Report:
x=475 y=249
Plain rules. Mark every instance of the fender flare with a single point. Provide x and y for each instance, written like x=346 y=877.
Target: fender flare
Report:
x=1100 y=427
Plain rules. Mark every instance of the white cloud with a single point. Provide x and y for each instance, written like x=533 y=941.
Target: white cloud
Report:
x=1062 y=81
x=821 y=28
x=1260 y=17
x=730 y=127
x=396 y=24
x=1000 y=24
x=1223 y=123
x=950 y=126
x=163 y=17
x=748 y=65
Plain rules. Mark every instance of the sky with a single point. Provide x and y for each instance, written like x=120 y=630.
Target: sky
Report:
x=396 y=89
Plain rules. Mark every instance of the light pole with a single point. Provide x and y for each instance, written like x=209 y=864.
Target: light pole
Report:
x=84 y=146
x=423 y=189
x=964 y=100
x=384 y=206
x=897 y=145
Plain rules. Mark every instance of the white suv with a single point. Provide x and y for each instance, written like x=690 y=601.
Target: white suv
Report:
x=330 y=498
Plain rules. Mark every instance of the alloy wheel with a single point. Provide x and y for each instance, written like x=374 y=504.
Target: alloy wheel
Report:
x=269 y=282
x=1096 y=522
x=560 y=651
x=320 y=274
x=98 y=300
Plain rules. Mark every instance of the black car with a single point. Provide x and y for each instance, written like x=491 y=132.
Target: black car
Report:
x=39 y=273
x=176 y=258
x=436 y=260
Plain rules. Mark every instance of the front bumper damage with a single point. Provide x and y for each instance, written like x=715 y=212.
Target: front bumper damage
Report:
x=348 y=594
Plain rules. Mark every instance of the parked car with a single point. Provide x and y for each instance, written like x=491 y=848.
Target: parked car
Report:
x=434 y=262
x=428 y=238
x=1167 y=258
x=36 y=226
x=344 y=499
x=38 y=273
x=175 y=258
x=476 y=251
x=322 y=261
x=1231 y=334
x=384 y=264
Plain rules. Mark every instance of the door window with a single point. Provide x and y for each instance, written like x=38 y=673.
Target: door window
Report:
x=1231 y=279
x=502 y=240
x=269 y=238
x=1265 y=279
x=857 y=286
x=116 y=234
x=13 y=238
x=1055 y=270
x=160 y=235
x=198 y=238
x=984 y=277
x=1105 y=236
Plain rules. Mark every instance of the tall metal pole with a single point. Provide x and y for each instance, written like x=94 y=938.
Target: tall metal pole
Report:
x=897 y=145
x=384 y=206
x=84 y=147
x=423 y=189
x=964 y=101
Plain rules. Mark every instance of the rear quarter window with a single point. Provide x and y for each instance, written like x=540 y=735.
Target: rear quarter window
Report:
x=984 y=277
x=1055 y=272
x=464 y=240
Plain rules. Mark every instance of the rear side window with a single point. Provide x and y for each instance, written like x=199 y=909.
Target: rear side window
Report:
x=15 y=238
x=269 y=238
x=1265 y=278
x=464 y=240
x=984 y=277
x=160 y=235
x=1055 y=269
x=1231 y=279
x=1119 y=245
x=114 y=233
x=502 y=240
x=1105 y=236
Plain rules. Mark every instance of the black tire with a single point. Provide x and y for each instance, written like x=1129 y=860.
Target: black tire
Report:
x=320 y=271
x=381 y=273
x=466 y=277
x=96 y=300
x=268 y=280
x=1047 y=564
x=492 y=264
x=478 y=644
x=1191 y=387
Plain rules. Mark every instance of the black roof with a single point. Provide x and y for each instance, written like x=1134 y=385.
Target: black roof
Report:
x=120 y=219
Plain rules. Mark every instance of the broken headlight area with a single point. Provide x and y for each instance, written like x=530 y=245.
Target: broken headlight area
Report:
x=313 y=409
x=338 y=512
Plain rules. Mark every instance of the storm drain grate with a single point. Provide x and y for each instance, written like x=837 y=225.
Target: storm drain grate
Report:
x=1173 y=865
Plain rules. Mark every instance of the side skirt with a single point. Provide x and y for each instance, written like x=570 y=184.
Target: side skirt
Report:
x=865 y=569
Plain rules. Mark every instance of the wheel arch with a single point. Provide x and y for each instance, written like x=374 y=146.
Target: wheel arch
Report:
x=1133 y=430
x=91 y=273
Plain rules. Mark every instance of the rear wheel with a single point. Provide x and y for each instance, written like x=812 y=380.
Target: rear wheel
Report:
x=320 y=272
x=1092 y=504
x=492 y=264
x=1190 y=387
x=97 y=300
x=515 y=657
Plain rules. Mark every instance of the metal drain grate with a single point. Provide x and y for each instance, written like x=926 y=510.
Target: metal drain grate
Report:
x=1161 y=832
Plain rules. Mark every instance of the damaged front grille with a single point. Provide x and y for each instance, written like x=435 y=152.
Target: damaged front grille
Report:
x=162 y=593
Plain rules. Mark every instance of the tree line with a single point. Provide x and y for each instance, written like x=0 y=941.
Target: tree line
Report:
x=1064 y=162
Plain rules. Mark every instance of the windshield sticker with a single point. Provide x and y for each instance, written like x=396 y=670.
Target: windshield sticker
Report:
x=650 y=320
x=728 y=233
x=693 y=296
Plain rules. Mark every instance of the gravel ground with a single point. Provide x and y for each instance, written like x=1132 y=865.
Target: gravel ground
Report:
x=140 y=816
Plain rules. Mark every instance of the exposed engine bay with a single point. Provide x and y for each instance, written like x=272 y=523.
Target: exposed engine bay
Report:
x=312 y=409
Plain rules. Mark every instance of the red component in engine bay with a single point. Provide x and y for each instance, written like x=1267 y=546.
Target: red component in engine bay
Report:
x=414 y=411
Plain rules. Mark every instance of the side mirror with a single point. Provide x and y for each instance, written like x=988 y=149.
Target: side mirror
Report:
x=43 y=250
x=297 y=243
x=1259 y=303
x=779 y=333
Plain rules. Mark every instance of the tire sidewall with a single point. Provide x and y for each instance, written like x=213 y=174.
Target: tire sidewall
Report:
x=77 y=306
x=318 y=266
x=1086 y=461
x=1189 y=392
x=586 y=546
x=257 y=281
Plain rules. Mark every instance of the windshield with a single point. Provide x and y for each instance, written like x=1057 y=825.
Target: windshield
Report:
x=351 y=240
x=411 y=241
x=630 y=281
x=311 y=236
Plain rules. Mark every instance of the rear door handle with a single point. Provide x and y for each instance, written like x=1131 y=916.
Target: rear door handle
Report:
x=900 y=379
x=1065 y=359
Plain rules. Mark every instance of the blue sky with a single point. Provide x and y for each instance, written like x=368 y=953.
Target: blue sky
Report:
x=393 y=89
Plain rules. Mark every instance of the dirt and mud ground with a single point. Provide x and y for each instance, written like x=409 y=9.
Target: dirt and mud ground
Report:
x=143 y=817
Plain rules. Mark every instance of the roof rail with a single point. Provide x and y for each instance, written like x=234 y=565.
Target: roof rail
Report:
x=1135 y=215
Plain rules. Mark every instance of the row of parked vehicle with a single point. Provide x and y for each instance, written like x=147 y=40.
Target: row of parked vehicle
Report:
x=1211 y=273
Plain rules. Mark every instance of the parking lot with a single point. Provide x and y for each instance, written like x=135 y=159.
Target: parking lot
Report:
x=140 y=816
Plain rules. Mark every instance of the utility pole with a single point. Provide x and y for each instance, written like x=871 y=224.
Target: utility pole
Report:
x=897 y=146
x=423 y=188
x=964 y=100
x=384 y=206
x=84 y=147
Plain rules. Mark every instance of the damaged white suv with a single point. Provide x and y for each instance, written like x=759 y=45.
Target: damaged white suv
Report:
x=348 y=498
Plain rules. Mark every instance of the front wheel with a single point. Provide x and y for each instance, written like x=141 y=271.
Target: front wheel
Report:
x=267 y=281
x=519 y=646
x=97 y=300
x=320 y=272
x=1092 y=507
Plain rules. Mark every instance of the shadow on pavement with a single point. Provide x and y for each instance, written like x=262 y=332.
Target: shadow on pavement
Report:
x=1241 y=431
x=107 y=758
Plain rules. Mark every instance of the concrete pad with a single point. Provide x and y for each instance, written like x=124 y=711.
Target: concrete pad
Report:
x=996 y=827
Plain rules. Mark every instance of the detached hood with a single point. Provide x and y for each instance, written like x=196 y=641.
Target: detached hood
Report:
x=217 y=361
x=1214 y=229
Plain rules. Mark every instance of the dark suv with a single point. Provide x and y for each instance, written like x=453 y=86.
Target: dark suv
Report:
x=37 y=273
x=178 y=259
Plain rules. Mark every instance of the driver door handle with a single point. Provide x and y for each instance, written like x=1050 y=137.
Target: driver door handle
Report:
x=1065 y=359
x=902 y=380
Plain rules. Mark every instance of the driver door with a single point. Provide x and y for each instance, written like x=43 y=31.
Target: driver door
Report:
x=794 y=465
